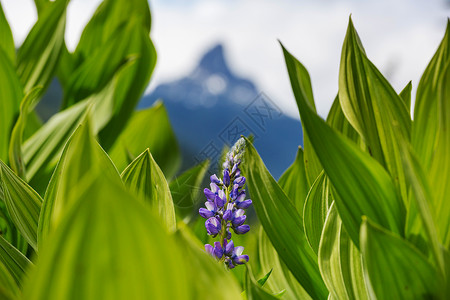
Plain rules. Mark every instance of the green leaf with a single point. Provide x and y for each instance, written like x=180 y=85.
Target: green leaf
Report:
x=10 y=97
x=426 y=109
x=315 y=212
x=37 y=58
x=362 y=185
x=211 y=280
x=108 y=246
x=282 y=223
x=185 y=189
x=294 y=182
x=158 y=136
x=15 y=145
x=281 y=278
x=253 y=290
x=337 y=120
x=22 y=202
x=340 y=261
x=263 y=280
x=17 y=264
x=109 y=16
x=144 y=177
x=80 y=156
x=394 y=268
x=8 y=287
x=405 y=94
x=7 y=45
x=373 y=107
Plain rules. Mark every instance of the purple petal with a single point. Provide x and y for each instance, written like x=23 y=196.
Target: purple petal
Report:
x=242 y=229
x=209 y=249
x=228 y=234
x=214 y=187
x=241 y=259
x=226 y=177
x=218 y=251
x=241 y=196
x=205 y=213
x=213 y=226
x=235 y=168
x=209 y=194
x=237 y=221
x=240 y=181
x=234 y=192
x=229 y=263
x=244 y=204
x=229 y=248
x=227 y=215
x=215 y=179
x=211 y=206
x=219 y=202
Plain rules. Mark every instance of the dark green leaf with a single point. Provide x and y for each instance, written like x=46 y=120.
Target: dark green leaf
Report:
x=253 y=290
x=294 y=182
x=16 y=263
x=7 y=44
x=282 y=223
x=405 y=94
x=9 y=289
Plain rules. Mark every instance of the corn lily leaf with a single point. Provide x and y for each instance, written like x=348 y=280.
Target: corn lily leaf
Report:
x=405 y=94
x=37 y=58
x=280 y=219
x=7 y=45
x=9 y=289
x=394 y=269
x=14 y=261
x=254 y=290
x=23 y=203
x=362 y=185
x=144 y=178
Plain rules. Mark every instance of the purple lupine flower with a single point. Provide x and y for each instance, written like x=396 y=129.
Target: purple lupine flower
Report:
x=225 y=209
x=213 y=226
x=209 y=211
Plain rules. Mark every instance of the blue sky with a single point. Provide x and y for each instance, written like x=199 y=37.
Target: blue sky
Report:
x=400 y=37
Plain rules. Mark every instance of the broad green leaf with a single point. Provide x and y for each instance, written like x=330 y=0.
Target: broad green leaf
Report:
x=282 y=223
x=10 y=97
x=211 y=280
x=8 y=287
x=17 y=264
x=15 y=144
x=362 y=185
x=281 y=278
x=394 y=269
x=294 y=182
x=337 y=120
x=301 y=86
x=80 y=156
x=439 y=175
x=185 y=189
x=372 y=106
x=41 y=5
x=340 y=261
x=426 y=109
x=316 y=208
x=108 y=246
x=109 y=16
x=23 y=203
x=7 y=44
x=158 y=136
x=38 y=56
x=8 y=229
x=405 y=94
x=253 y=290
x=144 y=177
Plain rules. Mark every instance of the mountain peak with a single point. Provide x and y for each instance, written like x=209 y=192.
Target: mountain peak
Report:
x=214 y=60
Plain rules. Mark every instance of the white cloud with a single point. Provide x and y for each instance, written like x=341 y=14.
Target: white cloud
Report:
x=400 y=37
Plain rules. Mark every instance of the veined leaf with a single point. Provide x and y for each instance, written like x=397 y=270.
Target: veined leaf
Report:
x=16 y=263
x=7 y=39
x=38 y=56
x=185 y=189
x=253 y=290
x=282 y=223
x=10 y=97
x=315 y=212
x=80 y=156
x=340 y=261
x=281 y=278
x=394 y=268
x=158 y=137
x=405 y=94
x=363 y=186
x=337 y=120
x=426 y=120
x=294 y=182
x=108 y=246
x=9 y=289
x=22 y=202
x=372 y=106
x=210 y=277
x=144 y=177
x=15 y=144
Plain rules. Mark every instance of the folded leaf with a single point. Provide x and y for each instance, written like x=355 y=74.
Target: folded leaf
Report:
x=253 y=290
x=8 y=287
x=394 y=268
x=282 y=223
x=144 y=177
x=405 y=94
x=362 y=185
x=17 y=264
x=23 y=203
